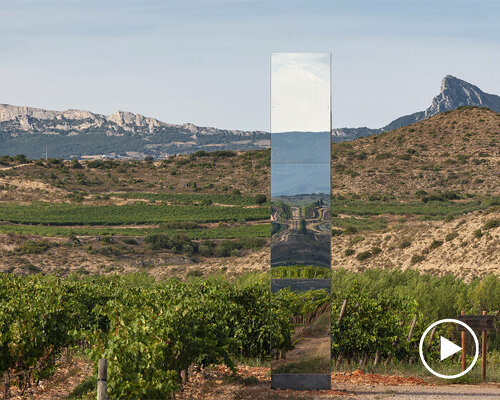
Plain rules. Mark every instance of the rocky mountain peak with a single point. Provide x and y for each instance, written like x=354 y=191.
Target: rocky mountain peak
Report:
x=450 y=81
x=454 y=93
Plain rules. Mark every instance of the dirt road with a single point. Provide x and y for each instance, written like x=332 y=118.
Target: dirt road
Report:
x=441 y=392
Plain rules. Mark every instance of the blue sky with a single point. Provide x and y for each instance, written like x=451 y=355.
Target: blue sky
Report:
x=207 y=61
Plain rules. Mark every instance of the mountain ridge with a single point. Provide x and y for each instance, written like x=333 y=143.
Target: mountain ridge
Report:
x=76 y=133
x=80 y=133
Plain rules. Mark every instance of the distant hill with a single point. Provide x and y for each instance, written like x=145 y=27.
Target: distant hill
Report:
x=77 y=133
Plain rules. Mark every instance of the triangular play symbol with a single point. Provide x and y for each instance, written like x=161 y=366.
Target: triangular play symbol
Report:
x=448 y=348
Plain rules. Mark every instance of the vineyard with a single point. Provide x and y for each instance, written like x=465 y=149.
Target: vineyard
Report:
x=80 y=214
x=190 y=198
x=151 y=332
x=237 y=232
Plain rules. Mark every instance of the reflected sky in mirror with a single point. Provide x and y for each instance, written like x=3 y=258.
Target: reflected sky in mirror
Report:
x=300 y=147
x=296 y=179
x=300 y=92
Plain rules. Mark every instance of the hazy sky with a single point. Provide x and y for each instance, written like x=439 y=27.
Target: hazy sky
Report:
x=207 y=61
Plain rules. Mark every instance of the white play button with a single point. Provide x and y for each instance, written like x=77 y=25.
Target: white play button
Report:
x=448 y=348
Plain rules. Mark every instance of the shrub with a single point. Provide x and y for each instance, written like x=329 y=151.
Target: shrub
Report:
x=223 y=153
x=450 y=236
x=76 y=164
x=478 y=233
x=130 y=241
x=21 y=158
x=196 y=273
x=350 y=230
x=383 y=156
x=494 y=223
x=417 y=258
x=100 y=164
x=448 y=218
x=76 y=197
x=260 y=199
x=376 y=250
x=235 y=253
x=205 y=250
x=364 y=255
x=404 y=244
x=356 y=239
x=32 y=247
x=435 y=244
x=177 y=243
x=179 y=225
x=349 y=252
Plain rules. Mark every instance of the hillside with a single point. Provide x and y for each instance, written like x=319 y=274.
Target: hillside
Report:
x=453 y=151
x=424 y=196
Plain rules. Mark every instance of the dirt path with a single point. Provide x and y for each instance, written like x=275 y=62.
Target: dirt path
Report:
x=253 y=383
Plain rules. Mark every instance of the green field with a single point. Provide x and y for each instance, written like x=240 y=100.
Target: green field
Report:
x=81 y=214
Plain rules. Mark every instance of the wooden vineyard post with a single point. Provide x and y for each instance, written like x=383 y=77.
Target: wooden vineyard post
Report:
x=431 y=337
x=412 y=328
x=464 y=357
x=102 y=379
x=410 y=335
x=483 y=353
x=342 y=310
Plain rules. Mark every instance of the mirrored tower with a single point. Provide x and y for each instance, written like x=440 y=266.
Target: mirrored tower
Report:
x=300 y=217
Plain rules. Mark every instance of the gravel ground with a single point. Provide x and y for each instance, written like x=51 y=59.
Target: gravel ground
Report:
x=448 y=392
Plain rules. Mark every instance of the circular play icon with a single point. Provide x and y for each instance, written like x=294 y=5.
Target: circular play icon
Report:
x=448 y=348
